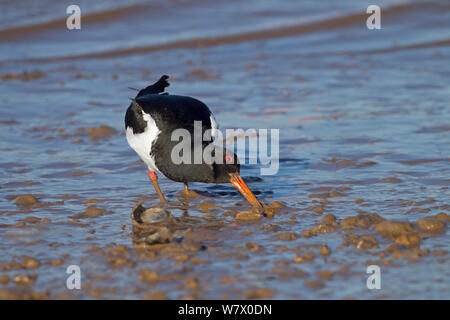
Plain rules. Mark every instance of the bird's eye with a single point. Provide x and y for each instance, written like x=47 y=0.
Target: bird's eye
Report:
x=229 y=159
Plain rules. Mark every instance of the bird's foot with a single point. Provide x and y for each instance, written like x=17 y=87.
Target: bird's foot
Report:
x=186 y=192
x=189 y=193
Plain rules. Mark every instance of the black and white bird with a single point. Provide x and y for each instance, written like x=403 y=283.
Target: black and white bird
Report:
x=150 y=120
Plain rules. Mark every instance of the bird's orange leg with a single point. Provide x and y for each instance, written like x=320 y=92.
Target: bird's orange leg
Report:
x=154 y=179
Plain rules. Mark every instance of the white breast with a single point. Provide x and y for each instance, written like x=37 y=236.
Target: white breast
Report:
x=142 y=142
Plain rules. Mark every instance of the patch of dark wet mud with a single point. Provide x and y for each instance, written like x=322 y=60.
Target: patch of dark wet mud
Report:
x=24 y=76
x=338 y=163
x=99 y=133
x=359 y=140
x=423 y=161
x=31 y=201
x=432 y=130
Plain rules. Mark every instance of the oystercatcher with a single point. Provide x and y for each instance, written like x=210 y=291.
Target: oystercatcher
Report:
x=150 y=120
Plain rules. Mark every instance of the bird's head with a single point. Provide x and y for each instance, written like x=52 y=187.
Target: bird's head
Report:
x=229 y=171
x=229 y=164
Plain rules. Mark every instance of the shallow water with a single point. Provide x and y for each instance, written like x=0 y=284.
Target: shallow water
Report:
x=364 y=129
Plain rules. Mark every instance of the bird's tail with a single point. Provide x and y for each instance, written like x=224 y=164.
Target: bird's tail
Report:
x=155 y=88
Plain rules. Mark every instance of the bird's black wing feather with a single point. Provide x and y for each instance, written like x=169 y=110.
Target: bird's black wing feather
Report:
x=155 y=88
x=171 y=112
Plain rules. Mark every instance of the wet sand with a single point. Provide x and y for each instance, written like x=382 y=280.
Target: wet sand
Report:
x=363 y=179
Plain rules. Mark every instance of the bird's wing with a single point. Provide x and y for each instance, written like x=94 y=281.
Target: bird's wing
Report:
x=172 y=112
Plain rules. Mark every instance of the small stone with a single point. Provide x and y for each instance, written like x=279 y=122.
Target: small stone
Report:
x=196 y=260
x=317 y=195
x=318 y=209
x=324 y=251
x=92 y=211
x=392 y=228
x=410 y=240
x=270 y=227
x=251 y=246
x=390 y=180
x=305 y=258
x=182 y=257
x=25 y=279
x=320 y=228
x=26 y=200
x=160 y=235
x=288 y=236
x=30 y=263
x=192 y=283
x=157 y=295
x=350 y=238
x=148 y=276
x=334 y=194
x=399 y=232
x=268 y=212
x=367 y=242
x=4 y=279
x=329 y=218
x=314 y=284
x=32 y=219
x=140 y=214
x=442 y=216
x=57 y=262
x=277 y=205
x=261 y=293
x=361 y=221
x=248 y=216
x=325 y=274
x=228 y=279
x=439 y=253
x=101 y=132
x=431 y=225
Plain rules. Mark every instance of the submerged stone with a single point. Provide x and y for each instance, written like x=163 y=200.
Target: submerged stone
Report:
x=141 y=215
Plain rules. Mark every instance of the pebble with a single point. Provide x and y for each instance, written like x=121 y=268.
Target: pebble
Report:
x=305 y=258
x=26 y=200
x=261 y=293
x=329 y=218
x=140 y=215
x=25 y=279
x=157 y=295
x=92 y=211
x=30 y=263
x=367 y=242
x=160 y=235
x=251 y=246
x=325 y=274
x=288 y=236
x=431 y=225
x=399 y=232
x=248 y=216
x=4 y=279
x=324 y=251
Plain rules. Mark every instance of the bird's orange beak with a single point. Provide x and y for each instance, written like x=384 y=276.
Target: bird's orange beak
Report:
x=239 y=184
